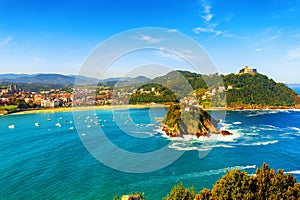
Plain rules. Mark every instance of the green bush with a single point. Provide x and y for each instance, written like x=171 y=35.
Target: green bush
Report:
x=266 y=184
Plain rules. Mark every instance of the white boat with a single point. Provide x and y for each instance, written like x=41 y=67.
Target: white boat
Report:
x=88 y=126
x=58 y=125
x=11 y=126
x=71 y=128
x=83 y=134
x=48 y=118
x=37 y=124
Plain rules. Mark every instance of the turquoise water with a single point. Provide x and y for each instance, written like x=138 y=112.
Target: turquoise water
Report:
x=297 y=90
x=51 y=162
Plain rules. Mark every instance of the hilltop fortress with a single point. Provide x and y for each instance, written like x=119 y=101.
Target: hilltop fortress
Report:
x=247 y=70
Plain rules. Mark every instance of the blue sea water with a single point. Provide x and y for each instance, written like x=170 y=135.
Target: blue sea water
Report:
x=297 y=90
x=51 y=162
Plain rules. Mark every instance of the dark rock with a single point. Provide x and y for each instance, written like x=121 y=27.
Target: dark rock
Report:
x=224 y=133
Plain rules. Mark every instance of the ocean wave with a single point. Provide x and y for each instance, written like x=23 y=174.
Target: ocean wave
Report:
x=196 y=146
x=295 y=129
x=223 y=146
x=214 y=172
x=260 y=143
x=293 y=172
x=181 y=147
x=264 y=112
x=237 y=123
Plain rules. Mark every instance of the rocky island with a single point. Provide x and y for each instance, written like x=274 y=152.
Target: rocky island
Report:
x=190 y=120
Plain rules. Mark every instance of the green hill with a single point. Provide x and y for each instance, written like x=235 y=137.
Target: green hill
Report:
x=256 y=91
x=234 y=91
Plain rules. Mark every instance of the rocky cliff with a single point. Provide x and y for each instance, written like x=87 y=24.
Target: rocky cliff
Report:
x=181 y=120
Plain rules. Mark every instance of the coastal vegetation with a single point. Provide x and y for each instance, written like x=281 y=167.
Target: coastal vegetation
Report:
x=186 y=119
x=242 y=91
x=153 y=93
x=236 y=184
x=265 y=184
x=258 y=91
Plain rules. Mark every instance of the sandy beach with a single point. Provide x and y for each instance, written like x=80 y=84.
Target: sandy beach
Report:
x=85 y=108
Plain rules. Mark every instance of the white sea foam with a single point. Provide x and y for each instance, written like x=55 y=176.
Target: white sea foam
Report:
x=181 y=147
x=260 y=143
x=264 y=112
x=295 y=129
x=214 y=172
x=237 y=123
x=223 y=146
x=293 y=172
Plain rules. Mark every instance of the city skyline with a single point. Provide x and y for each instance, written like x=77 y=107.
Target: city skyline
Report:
x=56 y=37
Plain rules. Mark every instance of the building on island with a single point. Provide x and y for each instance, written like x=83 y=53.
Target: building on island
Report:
x=247 y=70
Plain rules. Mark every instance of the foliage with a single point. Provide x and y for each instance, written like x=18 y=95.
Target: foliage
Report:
x=205 y=194
x=249 y=91
x=139 y=194
x=8 y=108
x=258 y=90
x=181 y=193
x=173 y=116
x=236 y=184
x=145 y=94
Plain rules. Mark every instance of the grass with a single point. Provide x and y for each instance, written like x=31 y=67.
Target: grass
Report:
x=9 y=108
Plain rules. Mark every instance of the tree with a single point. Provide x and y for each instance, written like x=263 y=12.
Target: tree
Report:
x=178 y=192
x=236 y=184
x=205 y=194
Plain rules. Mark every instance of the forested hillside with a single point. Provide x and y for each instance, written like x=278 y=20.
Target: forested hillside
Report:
x=258 y=91
x=242 y=91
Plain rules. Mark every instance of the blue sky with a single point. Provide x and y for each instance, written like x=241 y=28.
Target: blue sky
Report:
x=56 y=36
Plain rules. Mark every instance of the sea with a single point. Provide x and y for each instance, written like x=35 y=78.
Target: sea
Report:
x=60 y=156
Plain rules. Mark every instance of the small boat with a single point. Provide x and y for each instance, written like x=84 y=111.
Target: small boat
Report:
x=37 y=124
x=83 y=134
x=58 y=125
x=88 y=126
x=11 y=126
x=71 y=128
x=48 y=118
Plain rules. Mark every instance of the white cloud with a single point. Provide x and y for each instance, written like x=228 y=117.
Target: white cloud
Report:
x=175 y=55
x=172 y=30
x=149 y=39
x=272 y=35
x=208 y=26
x=207 y=14
x=293 y=54
x=258 y=49
x=209 y=29
x=5 y=41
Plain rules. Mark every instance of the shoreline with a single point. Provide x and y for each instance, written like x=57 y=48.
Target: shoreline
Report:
x=138 y=106
x=85 y=108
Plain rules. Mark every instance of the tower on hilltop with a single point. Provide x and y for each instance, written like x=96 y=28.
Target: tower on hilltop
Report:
x=247 y=70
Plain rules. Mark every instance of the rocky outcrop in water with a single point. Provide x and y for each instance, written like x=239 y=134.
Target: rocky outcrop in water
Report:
x=181 y=120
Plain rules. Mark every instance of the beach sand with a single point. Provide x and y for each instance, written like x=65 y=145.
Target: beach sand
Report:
x=71 y=109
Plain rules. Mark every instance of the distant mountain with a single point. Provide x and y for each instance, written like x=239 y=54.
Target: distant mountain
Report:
x=64 y=79
x=297 y=85
x=13 y=76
